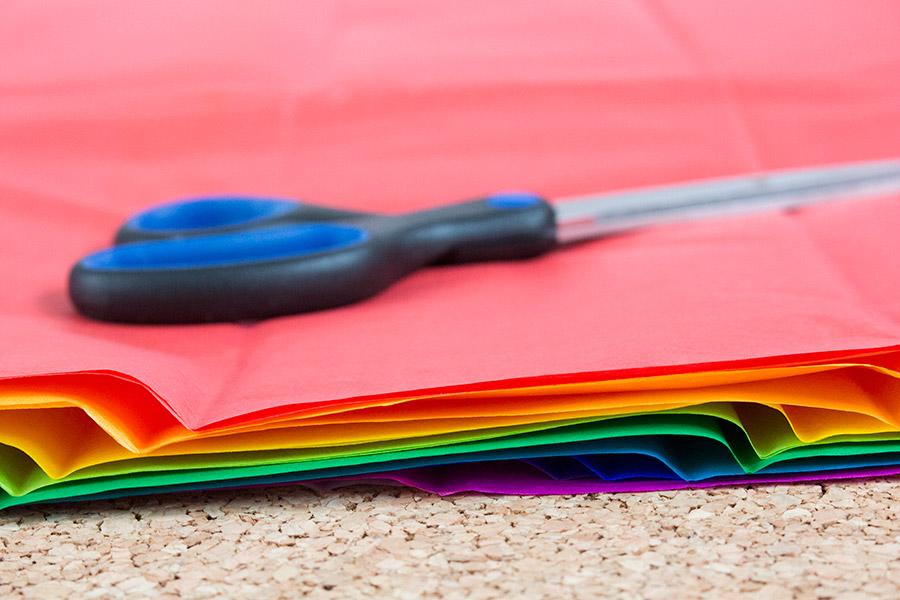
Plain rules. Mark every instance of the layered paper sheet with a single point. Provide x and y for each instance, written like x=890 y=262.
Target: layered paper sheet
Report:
x=741 y=350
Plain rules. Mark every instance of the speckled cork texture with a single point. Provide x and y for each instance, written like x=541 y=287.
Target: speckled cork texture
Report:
x=836 y=541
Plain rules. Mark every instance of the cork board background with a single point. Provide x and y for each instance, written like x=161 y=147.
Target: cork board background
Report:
x=836 y=541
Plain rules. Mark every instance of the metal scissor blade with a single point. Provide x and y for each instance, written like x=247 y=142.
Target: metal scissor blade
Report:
x=584 y=217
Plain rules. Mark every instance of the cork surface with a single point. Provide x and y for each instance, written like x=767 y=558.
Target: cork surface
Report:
x=839 y=541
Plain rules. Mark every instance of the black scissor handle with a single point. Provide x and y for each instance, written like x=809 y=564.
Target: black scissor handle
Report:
x=219 y=270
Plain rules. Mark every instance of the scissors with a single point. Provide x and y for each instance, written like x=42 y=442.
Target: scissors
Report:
x=237 y=258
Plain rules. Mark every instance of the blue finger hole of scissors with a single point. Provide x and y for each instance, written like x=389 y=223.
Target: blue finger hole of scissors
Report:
x=210 y=213
x=513 y=199
x=228 y=249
